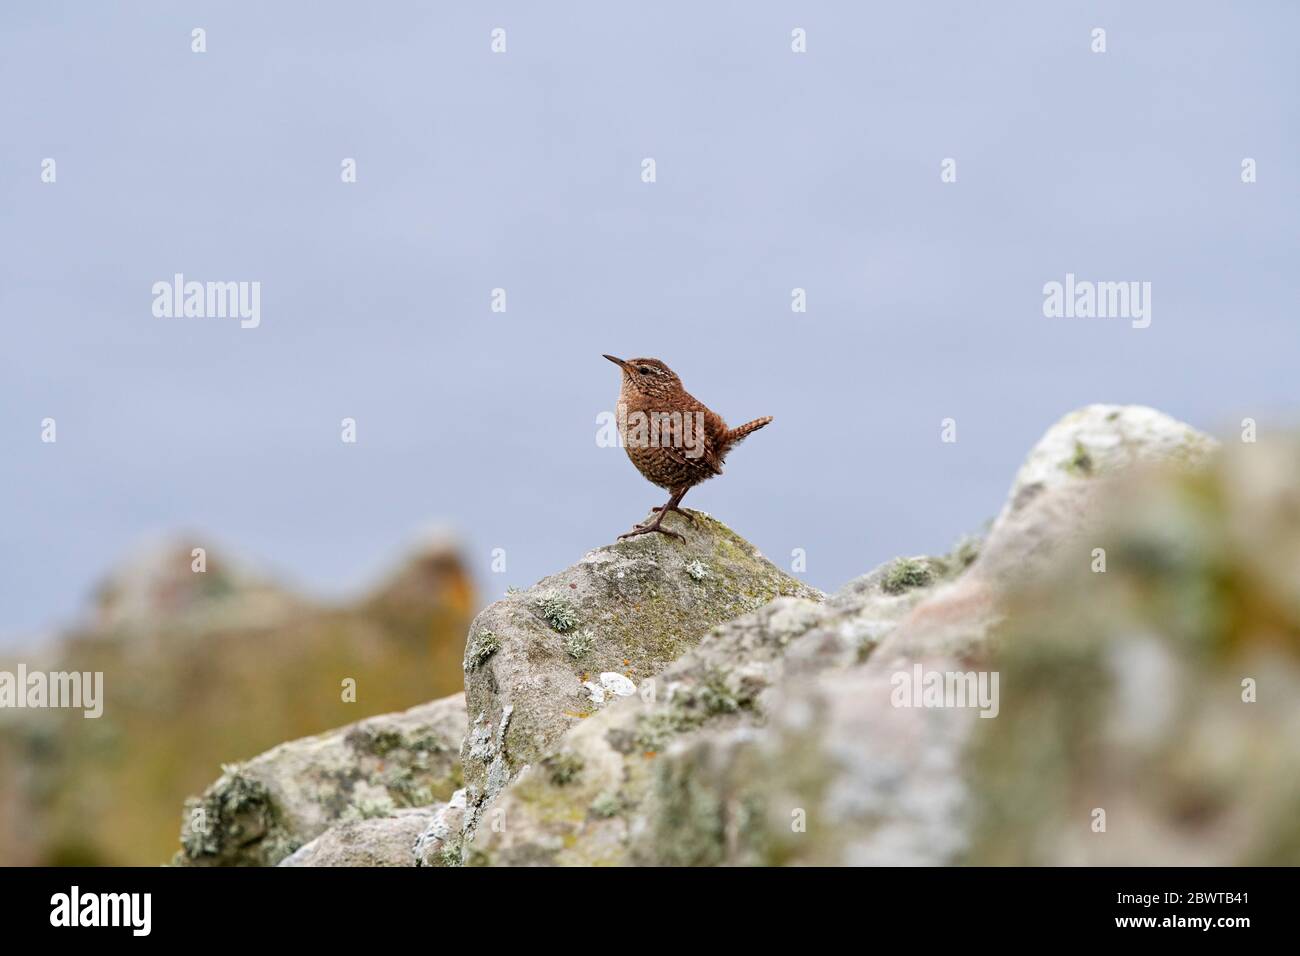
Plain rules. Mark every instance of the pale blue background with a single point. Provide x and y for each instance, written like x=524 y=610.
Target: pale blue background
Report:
x=522 y=171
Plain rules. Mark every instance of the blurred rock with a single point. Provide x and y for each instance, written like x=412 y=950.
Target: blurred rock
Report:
x=1135 y=709
x=1056 y=492
x=158 y=588
x=261 y=811
x=431 y=575
x=207 y=668
x=1100 y=440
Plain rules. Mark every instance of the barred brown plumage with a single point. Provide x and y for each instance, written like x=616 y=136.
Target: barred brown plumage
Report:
x=672 y=438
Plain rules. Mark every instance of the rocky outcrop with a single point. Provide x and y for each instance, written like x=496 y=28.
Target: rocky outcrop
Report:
x=779 y=739
x=628 y=785
x=1118 y=682
x=543 y=661
x=1055 y=496
x=261 y=811
x=205 y=663
x=1103 y=440
x=1161 y=667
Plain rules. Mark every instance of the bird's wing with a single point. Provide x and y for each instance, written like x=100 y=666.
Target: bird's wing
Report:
x=699 y=442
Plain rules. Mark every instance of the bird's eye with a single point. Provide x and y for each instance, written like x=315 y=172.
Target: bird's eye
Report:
x=645 y=369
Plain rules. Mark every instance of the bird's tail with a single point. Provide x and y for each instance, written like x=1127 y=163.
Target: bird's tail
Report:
x=738 y=433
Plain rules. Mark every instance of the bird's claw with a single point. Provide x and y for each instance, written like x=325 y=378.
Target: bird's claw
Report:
x=685 y=514
x=647 y=528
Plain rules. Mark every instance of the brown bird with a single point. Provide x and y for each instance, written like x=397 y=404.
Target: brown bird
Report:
x=671 y=436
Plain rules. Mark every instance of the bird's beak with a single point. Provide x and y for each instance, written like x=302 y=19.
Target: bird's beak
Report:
x=617 y=361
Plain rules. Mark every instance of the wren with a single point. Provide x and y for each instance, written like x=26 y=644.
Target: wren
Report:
x=674 y=440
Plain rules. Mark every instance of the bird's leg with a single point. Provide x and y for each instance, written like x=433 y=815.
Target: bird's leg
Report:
x=672 y=506
x=655 y=525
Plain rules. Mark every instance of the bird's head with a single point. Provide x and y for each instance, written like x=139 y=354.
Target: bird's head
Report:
x=647 y=376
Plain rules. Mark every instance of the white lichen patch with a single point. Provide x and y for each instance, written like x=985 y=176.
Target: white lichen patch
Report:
x=697 y=570
x=506 y=711
x=578 y=645
x=617 y=684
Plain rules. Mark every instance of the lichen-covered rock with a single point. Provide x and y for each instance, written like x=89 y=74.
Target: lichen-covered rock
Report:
x=1126 y=639
x=262 y=810
x=439 y=843
x=381 y=841
x=1056 y=494
x=544 y=660
x=1100 y=440
x=779 y=740
x=844 y=773
x=836 y=775
x=609 y=794
x=1160 y=708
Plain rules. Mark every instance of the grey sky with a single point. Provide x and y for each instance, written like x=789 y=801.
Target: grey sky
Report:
x=521 y=170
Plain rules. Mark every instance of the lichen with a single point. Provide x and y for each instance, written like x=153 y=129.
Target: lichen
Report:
x=606 y=805
x=559 y=613
x=697 y=570
x=690 y=706
x=716 y=695
x=1080 y=463
x=654 y=730
x=689 y=827
x=484 y=645
x=905 y=574
x=235 y=814
x=564 y=768
x=964 y=553
x=407 y=788
x=578 y=644
x=452 y=855
x=369 y=809
x=380 y=741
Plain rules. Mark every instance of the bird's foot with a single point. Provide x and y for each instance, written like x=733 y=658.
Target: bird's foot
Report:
x=681 y=511
x=651 y=526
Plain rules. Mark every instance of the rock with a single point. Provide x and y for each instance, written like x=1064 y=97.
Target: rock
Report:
x=439 y=844
x=263 y=810
x=431 y=576
x=206 y=664
x=1165 y=705
x=182 y=583
x=383 y=841
x=605 y=796
x=1054 y=498
x=839 y=773
x=543 y=661
x=778 y=739
x=669 y=703
x=1101 y=440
